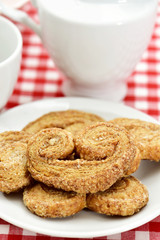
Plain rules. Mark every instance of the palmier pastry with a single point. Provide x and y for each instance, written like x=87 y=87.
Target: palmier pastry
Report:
x=53 y=203
x=104 y=153
x=103 y=147
x=13 y=157
x=10 y=137
x=126 y=197
x=13 y=170
x=134 y=164
x=72 y=120
x=146 y=134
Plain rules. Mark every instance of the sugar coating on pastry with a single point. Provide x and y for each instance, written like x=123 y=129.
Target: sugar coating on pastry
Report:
x=14 y=174
x=126 y=197
x=52 y=203
x=72 y=120
x=103 y=154
x=96 y=143
x=9 y=137
x=134 y=164
x=13 y=168
x=146 y=134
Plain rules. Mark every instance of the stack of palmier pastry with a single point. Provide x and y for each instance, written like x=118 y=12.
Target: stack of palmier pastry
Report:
x=69 y=160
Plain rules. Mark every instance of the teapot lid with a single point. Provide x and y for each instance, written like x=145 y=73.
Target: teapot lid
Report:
x=98 y=11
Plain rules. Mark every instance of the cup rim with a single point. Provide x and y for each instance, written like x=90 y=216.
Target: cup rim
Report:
x=19 y=41
x=147 y=11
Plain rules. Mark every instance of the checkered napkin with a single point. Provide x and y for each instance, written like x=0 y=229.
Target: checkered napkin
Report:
x=39 y=78
x=144 y=84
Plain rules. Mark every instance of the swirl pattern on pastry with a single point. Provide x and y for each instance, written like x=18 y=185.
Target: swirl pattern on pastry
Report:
x=126 y=197
x=14 y=174
x=49 y=202
x=146 y=134
x=71 y=120
x=95 y=169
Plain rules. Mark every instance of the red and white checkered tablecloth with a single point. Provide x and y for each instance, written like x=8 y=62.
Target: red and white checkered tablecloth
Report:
x=39 y=78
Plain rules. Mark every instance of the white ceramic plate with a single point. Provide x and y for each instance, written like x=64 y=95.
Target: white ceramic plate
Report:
x=86 y=223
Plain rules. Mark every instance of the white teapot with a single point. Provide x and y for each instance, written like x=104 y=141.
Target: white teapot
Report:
x=95 y=43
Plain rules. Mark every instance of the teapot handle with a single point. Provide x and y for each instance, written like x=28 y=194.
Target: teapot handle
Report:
x=20 y=16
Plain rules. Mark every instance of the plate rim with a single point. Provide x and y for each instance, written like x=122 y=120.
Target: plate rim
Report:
x=83 y=235
x=57 y=99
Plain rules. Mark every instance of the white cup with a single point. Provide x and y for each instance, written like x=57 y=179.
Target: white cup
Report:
x=10 y=58
x=95 y=43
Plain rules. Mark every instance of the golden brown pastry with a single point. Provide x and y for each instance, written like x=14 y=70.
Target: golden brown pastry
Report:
x=52 y=203
x=13 y=170
x=97 y=145
x=134 y=164
x=13 y=157
x=104 y=153
x=71 y=120
x=10 y=137
x=126 y=197
x=146 y=134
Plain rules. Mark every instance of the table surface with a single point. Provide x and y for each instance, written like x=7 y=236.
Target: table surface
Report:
x=39 y=78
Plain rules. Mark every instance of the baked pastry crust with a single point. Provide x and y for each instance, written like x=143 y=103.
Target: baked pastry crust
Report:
x=52 y=203
x=104 y=154
x=13 y=161
x=126 y=197
x=13 y=170
x=9 y=137
x=71 y=120
x=146 y=134
x=135 y=163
